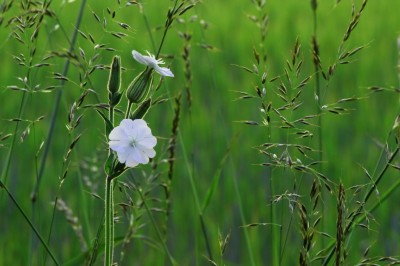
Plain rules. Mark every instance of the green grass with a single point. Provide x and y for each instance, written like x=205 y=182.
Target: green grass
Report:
x=211 y=143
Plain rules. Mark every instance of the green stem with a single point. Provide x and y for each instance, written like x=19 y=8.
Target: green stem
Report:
x=111 y=115
x=275 y=240
x=109 y=223
x=355 y=219
x=318 y=111
x=128 y=109
x=165 y=33
x=58 y=101
x=153 y=222
x=241 y=212
x=370 y=191
x=2 y=185
x=186 y=160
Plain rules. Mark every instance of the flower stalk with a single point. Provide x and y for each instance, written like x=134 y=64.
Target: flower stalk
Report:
x=109 y=223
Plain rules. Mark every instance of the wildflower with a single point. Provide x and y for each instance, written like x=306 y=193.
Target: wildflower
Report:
x=133 y=142
x=152 y=62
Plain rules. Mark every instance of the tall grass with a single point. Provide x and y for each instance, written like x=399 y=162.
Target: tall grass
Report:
x=278 y=137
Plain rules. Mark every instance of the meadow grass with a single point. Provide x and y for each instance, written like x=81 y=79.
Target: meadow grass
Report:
x=278 y=137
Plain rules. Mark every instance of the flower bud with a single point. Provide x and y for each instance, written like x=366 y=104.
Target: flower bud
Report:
x=115 y=98
x=114 y=80
x=141 y=111
x=314 y=4
x=140 y=87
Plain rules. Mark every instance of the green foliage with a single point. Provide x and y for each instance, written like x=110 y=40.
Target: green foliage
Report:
x=280 y=117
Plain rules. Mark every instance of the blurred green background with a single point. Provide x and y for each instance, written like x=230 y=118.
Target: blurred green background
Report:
x=222 y=36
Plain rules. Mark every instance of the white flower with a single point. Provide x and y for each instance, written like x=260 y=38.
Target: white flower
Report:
x=133 y=142
x=152 y=62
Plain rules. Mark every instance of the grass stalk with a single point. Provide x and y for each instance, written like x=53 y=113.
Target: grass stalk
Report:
x=58 y=100
x=318 y=107
x=275 y=239
x=181 y=142
x=356 y=218
x=242 y=218
x=153 y=222
x=50 y=132
x=3 y=186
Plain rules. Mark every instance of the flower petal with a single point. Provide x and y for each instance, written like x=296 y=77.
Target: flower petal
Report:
x=133 y=142
x=147 y=142
x=130 y=162
x=140 y=58
x=150 y=153
x=136 y=157
x=163 y=71
x=122 y=156
x=132 y=128
x=118 y=134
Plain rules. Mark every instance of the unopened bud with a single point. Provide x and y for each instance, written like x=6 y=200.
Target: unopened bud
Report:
x=115 y=98
x=115 y=75
x=140 y=86
x=314 y=4
x=141 y=111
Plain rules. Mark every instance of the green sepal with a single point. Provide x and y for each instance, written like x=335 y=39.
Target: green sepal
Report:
x=119 y=169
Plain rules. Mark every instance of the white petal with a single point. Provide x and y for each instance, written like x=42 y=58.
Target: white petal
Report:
x=120 y=146
x=133 y=142
x=132 y=127
x=147 y=142
x=143 y=132
x=163 y=71
x=139 y=57
x=117 y=134
x=131 y=163
x=138 y=123
x=122 y=156
x=150 y=153
x=136 y=156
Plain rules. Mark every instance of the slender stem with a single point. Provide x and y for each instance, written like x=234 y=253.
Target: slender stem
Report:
x=2 y=185
x=204 y=230
x=241 y=212
x=111 y=115
x=112 y=238
x=185 y=156
x=128 y=109
x=83 y=200
x=108 y=240
x=159 y=235
x=370 y=191
x=165 y=32
x=356 y=215
x=275 y=240
x=58 y=101
x=318 y=111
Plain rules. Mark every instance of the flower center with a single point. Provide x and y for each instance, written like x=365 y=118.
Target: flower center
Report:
x=133 y=143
